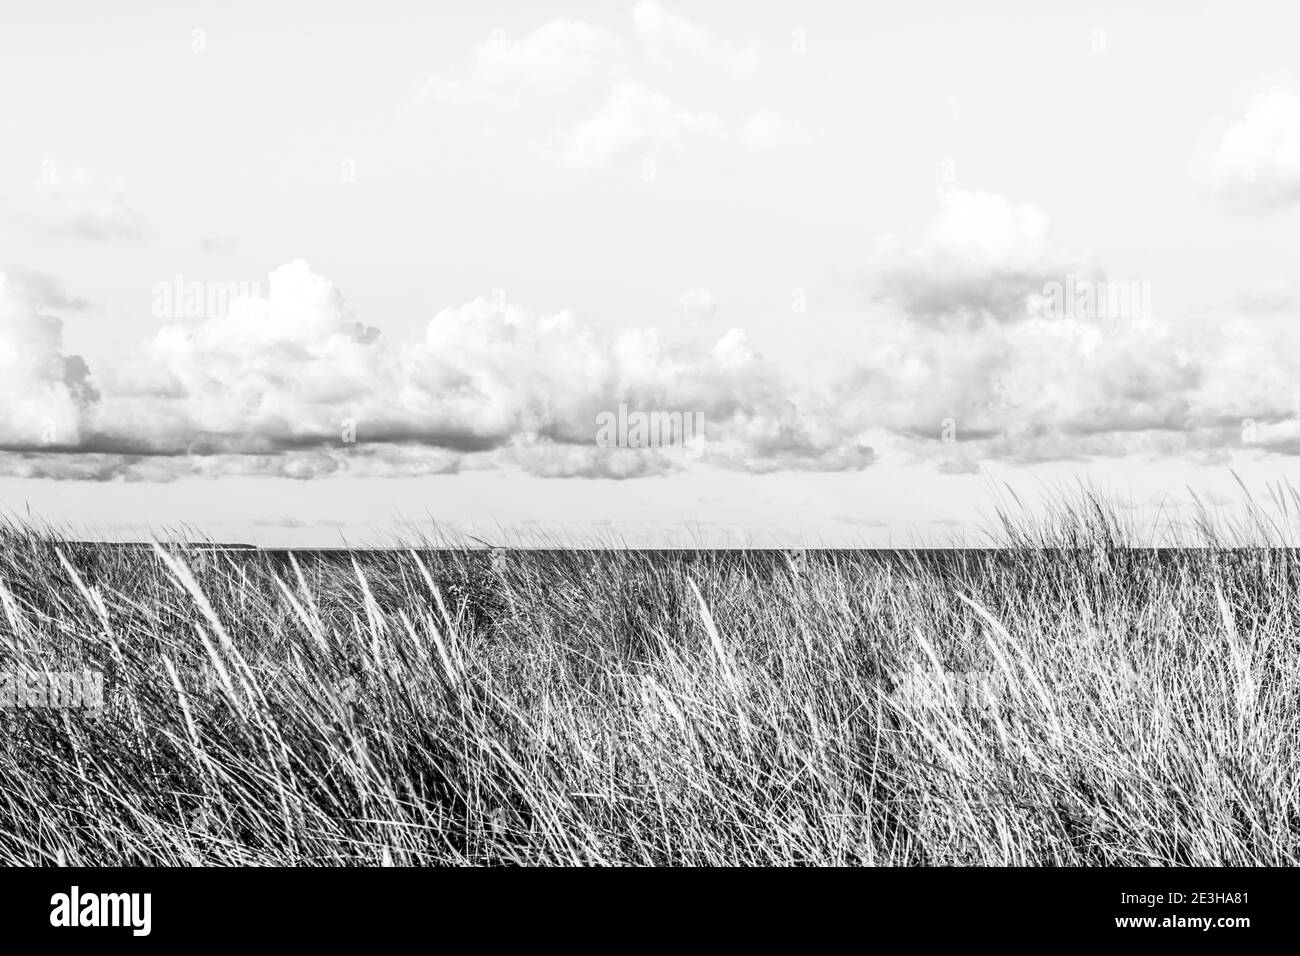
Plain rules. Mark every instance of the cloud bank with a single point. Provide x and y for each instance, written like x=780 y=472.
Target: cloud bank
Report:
x=290 y=383
x=970 y=360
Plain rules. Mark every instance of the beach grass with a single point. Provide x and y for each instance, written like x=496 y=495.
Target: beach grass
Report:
x=1064 y=698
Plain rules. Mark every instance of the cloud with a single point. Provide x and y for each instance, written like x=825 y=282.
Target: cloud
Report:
x=44 y=393
x=1254 y=161
x=567 y=91
x=1038 y=389
x=964 y=366
x=359 y=461
x=558 y=57
x=290 y=383
x=83 y=206
x=633 y=117
x=668 y=38
x=276 y=371
x=971 y=365
x=539 y=383
x=982 y=258
x=549 y=459
x=36 y=290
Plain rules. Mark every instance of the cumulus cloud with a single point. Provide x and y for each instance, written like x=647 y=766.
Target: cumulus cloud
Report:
x=1039 y=389
x=78 y=204
x=44 y=393
x=964 y=367
x=540 y=381
x=982 y=257
x=272 y=372
x=668 y=38
x=970 y=364
x=1254 y=160
x=290 y=383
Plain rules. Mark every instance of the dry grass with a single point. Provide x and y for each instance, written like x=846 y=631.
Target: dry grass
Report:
x=1065 y=700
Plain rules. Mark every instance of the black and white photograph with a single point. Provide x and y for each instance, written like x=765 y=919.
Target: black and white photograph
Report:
x=650 y=435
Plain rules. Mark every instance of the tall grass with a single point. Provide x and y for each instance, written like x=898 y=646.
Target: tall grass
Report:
x=1067 y=699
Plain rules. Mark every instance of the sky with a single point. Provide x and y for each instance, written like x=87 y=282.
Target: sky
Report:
x=314 y=273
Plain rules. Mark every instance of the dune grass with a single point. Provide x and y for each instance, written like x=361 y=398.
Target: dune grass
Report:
x=1064 y=700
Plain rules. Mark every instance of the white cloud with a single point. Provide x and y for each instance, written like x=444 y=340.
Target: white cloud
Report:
x=668 y=37
x=732 y=350
x=275 y=386
x=983 y=257
x=273 y=372
x=633 y=117
x=43 y=392
x=1255 y=160
x=972 y=348
x=1041 y=388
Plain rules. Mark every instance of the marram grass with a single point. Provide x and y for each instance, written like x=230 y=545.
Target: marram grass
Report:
x=1065 y=700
